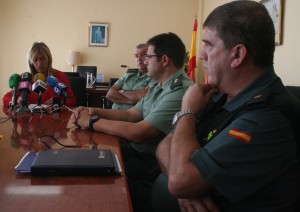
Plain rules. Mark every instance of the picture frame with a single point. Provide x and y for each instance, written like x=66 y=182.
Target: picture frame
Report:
x=275 y=9
x=98 y=34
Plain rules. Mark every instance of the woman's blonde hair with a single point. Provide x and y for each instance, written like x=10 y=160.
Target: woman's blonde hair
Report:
x=39 y=48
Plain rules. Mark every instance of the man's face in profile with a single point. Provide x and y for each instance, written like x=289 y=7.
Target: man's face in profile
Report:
x=140 y=57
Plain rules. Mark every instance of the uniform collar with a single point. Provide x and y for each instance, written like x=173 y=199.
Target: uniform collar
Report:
x=260 y=83
x=140 y=73
x=169 y=81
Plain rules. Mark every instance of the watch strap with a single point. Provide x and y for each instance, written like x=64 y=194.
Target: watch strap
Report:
x=92 y=120
x=183 y=113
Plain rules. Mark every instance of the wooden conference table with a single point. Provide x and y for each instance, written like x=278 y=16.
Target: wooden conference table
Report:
x=23 y=192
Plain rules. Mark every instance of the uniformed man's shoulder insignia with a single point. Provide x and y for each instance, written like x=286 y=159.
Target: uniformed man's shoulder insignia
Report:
x=132 y=71
x=257 y=101
x=177 y=82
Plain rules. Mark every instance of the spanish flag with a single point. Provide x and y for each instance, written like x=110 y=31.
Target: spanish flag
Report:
x=240 y=134
x=192 y=59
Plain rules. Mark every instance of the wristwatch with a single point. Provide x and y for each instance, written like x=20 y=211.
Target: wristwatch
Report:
x=92 y=120
x=179 y=114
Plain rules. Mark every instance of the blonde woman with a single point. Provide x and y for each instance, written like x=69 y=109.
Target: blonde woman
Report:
x=40 y=61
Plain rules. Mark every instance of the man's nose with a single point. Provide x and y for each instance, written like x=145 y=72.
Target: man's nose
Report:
x=140 y=57
x=202 y=55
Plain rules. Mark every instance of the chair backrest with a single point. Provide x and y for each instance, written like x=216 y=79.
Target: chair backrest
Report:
x=294 y=90
x=111 y=82
x=78 y=85
x=72 y=74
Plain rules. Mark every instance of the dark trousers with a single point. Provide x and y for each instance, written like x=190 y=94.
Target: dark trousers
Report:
x=141 y=170
x=161 y=199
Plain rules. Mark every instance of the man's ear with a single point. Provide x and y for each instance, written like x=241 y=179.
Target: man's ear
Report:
x=165 y=60
x=238 y=54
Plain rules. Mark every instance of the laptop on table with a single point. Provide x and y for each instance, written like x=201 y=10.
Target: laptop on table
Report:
x=84 y=162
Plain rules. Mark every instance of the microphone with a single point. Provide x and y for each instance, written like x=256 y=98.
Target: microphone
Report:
x=124 y=66
x=13 y=83
x=56 y=104
x=58 y=87
x=39 y=86
x=25 y=89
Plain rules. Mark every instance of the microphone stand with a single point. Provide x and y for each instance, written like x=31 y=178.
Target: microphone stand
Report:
x=13 y=102
x=23 y=109
x=39 y=107
x=64 y=98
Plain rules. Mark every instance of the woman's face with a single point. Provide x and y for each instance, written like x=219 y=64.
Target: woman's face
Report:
x=40 y=63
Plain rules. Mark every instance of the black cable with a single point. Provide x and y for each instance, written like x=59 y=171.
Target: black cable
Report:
x=50 y=136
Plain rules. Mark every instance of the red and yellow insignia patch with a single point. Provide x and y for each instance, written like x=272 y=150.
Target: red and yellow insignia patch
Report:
x=239 y=134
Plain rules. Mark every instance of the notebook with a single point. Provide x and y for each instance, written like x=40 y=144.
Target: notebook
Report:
x=73 y=162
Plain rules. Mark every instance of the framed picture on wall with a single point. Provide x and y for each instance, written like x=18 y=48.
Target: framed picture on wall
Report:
x=275 y=9
x=98 y=34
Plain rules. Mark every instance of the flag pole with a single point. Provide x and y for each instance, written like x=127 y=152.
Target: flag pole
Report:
x=192 y=58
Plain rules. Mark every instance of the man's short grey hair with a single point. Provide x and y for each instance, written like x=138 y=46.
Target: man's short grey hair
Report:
x=141 y=45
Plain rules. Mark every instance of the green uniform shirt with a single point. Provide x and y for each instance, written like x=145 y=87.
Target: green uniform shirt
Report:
x=131 y=80
x=160 y=105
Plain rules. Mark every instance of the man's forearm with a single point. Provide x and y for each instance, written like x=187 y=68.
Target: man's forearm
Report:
x=162 y=153
x=128 y=96
x=135 y=95
x=183 y=144
x=121 y=115
x=116 y=97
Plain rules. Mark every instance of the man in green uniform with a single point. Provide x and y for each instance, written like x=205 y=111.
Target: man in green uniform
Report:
x=133 y=85
x=145 y=124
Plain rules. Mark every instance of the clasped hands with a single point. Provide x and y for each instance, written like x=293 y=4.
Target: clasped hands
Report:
x=81 y=116
x=201 y=204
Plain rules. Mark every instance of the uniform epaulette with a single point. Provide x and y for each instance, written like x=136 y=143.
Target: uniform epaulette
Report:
x=258 y=101
x=132 y=71
x=177 y=82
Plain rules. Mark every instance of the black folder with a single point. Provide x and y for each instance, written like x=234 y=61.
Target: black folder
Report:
x=84 y=162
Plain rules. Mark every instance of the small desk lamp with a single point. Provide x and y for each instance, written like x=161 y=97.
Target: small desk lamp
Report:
x=73 y=58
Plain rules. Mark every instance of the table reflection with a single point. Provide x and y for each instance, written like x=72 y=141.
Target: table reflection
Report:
x=33 y=132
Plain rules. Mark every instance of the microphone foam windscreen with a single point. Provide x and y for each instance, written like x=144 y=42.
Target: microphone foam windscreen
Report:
x=51 y=80
x=14 y=80
x=39 y=76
